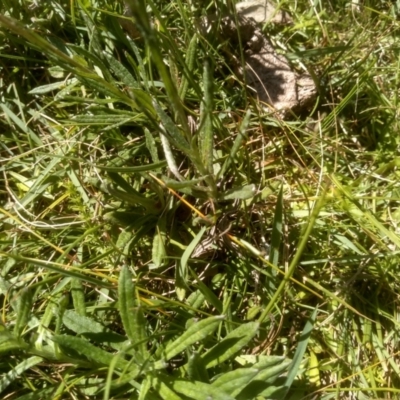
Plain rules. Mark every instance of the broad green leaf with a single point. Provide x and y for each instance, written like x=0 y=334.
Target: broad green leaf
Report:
x=144 y=388
x=199 y=390
x=91 y=57
x=233 y=382
x=196 y=369
x=91 y=352
x=126 y=302
x=163 y=389
x=313 y=370
x=242 y=193
x=93 y=330
x=195 y=333
x=265 y=379
x=259 y=361
x=231 y=344
x=269 y=373
x=196 y=300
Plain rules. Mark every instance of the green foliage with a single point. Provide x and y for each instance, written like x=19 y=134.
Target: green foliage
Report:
x=164 y=236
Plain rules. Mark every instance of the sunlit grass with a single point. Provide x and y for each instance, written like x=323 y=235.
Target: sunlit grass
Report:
x=145 y=193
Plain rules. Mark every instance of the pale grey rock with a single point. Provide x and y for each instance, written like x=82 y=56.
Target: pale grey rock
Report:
x=262 y=11
x=266 y=72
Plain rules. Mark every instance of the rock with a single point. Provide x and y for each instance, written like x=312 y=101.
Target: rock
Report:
x=266 y=72
x=262 y=11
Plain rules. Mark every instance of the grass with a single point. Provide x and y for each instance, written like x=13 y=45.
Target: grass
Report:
x=163 y=237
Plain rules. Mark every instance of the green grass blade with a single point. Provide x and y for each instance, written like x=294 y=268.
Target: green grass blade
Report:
x=181 y=268
x=241 y=136
x=277 y=231
x=296 y=259
x=299 y=354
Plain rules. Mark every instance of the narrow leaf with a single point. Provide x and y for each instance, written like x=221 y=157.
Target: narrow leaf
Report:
x=181 y=268
x=25 y=300
x=196 y=369
x=195 y=333
x=242 y=193
x=200 y=390
x=264 y=380
x=159 y=240
x=190 y=59
x=298 y=355
x=163 y=389
x=151 y=146
x=138 y=168
x=169 y=157
x=12 y=375
x=121 y=72
x=277 y=232
x=126 y=302
x=91 y=352
x=206 y=134
x=172 y=131
x=234 y=381
x=78 y=296
x=93 y=330
x=231 y=344
x=242 y=135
